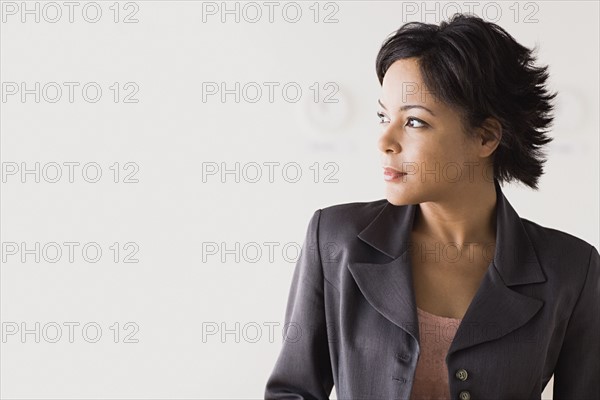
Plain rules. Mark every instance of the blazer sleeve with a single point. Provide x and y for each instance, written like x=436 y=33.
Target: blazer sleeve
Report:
x=577 y=372
x=303 y=369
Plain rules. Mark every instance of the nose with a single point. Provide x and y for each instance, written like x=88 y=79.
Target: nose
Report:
x=387 y=143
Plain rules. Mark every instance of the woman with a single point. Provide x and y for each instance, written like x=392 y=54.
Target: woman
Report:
x=441 y=290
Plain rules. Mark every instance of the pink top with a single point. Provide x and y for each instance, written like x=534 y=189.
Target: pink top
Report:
x=431 y=376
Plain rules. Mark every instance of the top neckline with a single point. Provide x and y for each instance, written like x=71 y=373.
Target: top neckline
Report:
x=439 y=317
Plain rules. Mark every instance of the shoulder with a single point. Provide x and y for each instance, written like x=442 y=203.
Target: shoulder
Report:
x=348 y=218
x=355 y=213
x=556 y=241
x=560 y=251
x=337 y=226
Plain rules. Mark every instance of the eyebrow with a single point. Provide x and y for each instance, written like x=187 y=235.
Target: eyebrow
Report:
x=408 y=107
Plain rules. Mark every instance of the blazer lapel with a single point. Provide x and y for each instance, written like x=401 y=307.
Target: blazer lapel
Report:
x=389 y=287
x=495 y=309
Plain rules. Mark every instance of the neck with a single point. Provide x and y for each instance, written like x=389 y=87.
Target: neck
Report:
x=465 y=216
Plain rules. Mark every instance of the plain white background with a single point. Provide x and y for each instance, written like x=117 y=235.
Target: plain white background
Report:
x=207 y=315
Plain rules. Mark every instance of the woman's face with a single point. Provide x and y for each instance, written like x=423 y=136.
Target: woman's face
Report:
x=424 y=137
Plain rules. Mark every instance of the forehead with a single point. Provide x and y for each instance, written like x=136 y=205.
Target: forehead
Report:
x=403 y=84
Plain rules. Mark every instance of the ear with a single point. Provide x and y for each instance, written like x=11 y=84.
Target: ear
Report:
x=490 y=134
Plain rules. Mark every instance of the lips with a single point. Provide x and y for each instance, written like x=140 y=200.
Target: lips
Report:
x=390 y=171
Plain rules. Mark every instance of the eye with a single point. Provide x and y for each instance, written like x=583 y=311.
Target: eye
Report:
x=418 y=121
x=381 y=117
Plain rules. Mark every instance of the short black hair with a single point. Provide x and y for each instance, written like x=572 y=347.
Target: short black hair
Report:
x=481 y=70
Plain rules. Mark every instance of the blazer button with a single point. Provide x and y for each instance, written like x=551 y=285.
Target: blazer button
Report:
x=462 y=374
x=464 y=395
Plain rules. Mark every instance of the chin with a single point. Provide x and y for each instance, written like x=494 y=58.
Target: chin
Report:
x=399 y=197
x=397 y=202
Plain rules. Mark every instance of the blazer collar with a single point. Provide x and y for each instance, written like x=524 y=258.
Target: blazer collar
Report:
x=389 y=287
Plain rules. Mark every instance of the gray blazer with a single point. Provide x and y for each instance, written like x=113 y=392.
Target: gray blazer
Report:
x=351 y=317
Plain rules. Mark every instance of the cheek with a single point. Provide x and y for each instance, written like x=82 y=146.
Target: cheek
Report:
x=430 y=151
x=451 y=145
x=440 y=152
